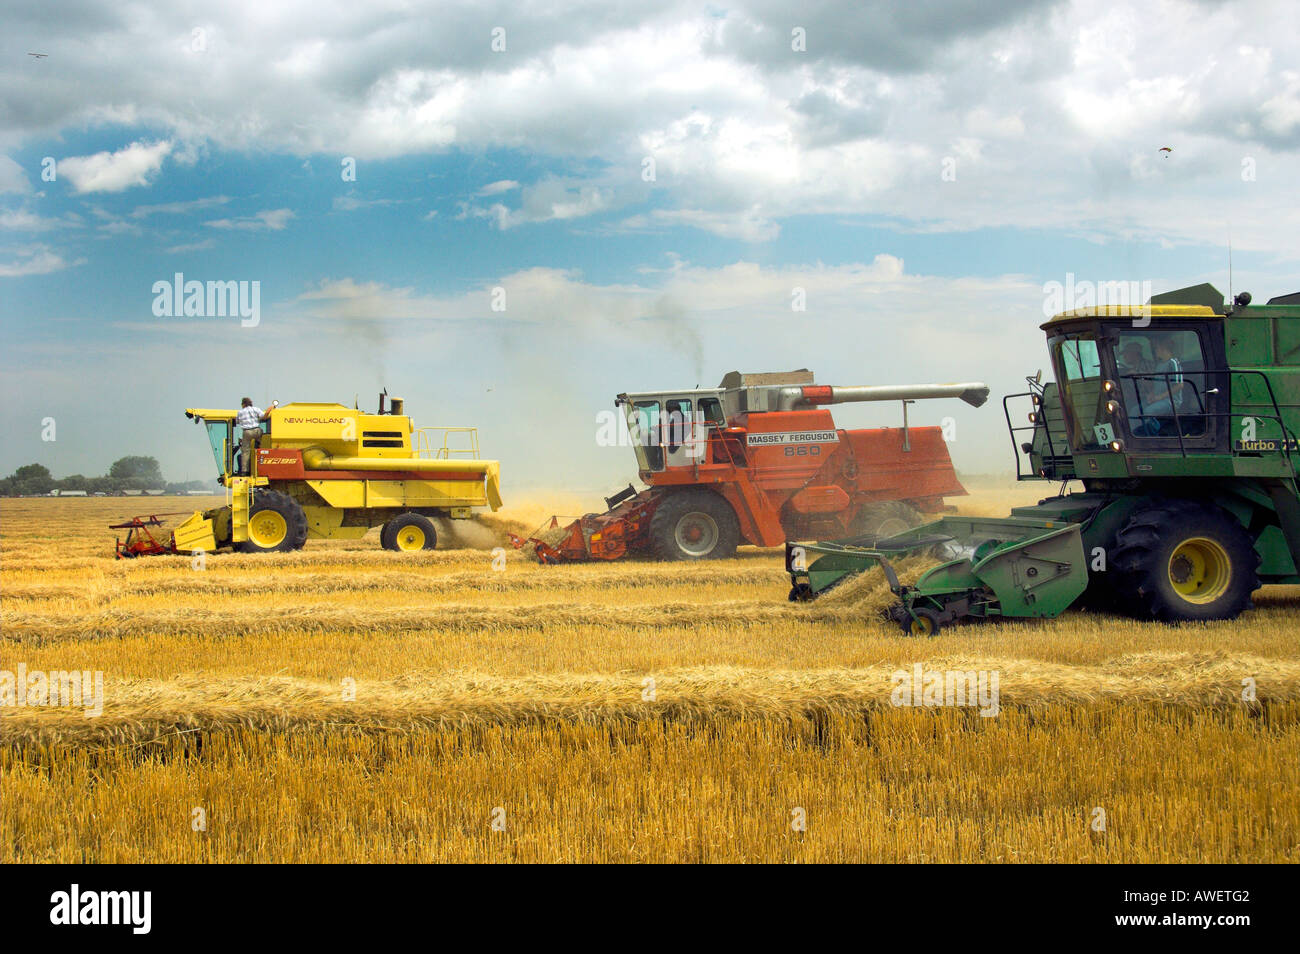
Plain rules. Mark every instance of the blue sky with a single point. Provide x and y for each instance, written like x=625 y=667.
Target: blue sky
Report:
x=920 y=171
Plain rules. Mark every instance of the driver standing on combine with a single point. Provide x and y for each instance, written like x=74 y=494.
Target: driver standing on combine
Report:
x=250 y=420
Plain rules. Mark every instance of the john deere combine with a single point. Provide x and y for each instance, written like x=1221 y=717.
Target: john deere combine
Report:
x=1179 y=420
x=325 y=470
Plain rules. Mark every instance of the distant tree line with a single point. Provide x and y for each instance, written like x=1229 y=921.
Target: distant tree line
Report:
x=128 y=473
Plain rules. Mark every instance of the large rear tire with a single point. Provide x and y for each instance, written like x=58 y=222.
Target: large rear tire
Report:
x=276 y=524
x=1183 y=560
x=694 y=525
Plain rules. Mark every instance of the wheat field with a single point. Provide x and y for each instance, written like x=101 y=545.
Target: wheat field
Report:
x=344 y=703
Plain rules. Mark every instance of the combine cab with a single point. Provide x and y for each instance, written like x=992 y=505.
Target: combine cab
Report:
x=759 y=460
x=1179 y=419
x=329 y=471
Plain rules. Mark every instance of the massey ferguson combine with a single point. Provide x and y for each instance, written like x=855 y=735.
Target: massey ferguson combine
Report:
x=759 y=460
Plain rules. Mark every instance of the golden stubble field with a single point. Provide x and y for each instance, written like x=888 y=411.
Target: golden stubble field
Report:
x=348 y=704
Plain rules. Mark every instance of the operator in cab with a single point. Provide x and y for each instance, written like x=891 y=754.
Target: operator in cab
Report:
x=1167 y=389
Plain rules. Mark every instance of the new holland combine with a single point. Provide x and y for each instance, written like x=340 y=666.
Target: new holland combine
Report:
x=329 y=471
x=1178 y=418
x=759 y=460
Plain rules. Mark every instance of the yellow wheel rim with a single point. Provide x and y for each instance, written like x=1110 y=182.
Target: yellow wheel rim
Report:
x=1199 y=570
x=267 y=529
x=921 y=626
x=410 y=538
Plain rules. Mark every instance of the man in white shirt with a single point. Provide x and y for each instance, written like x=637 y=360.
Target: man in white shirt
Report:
x=250 y=420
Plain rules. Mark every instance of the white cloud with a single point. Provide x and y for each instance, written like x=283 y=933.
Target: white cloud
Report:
x=38 y=260
x=496 y=188
x=12 y=177
x=553 y=200
x=533 y=295
x=273 y=220
x=346 y=298
x=350 y=203
x=115 y=171
x=179 y=208
x=749 y=225
x=202 y=246
x=25 y=220
x=121 y=227
x=1282 y=111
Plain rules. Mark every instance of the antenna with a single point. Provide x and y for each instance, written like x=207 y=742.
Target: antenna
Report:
x=1230 y=296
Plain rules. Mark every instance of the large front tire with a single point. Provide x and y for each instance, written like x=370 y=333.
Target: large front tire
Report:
x=694 y=525
x=276 y=524
x=1183 y=560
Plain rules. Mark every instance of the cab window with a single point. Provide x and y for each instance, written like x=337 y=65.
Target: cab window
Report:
x=677 y=423
x=1078 y=365
x=1079 y=359
x=1162 y=378
x=644 y=421
x=711 y=412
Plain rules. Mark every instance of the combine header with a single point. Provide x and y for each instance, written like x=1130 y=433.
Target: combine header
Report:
x=329 y=471
x=1179 y=419
x=759 y=460
x=142 y=537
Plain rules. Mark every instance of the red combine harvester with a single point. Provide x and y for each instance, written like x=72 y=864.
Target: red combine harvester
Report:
x=759 y=460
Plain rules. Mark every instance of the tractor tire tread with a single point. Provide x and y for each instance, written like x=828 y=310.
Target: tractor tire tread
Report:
x=294 y=516
x=1139 y=566
x=388 y=535
x=674 y=506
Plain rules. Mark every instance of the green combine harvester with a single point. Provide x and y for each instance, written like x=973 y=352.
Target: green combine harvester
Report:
x=1179 y=419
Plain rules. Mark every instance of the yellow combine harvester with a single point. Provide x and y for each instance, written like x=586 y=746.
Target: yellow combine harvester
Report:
x=329 y=471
